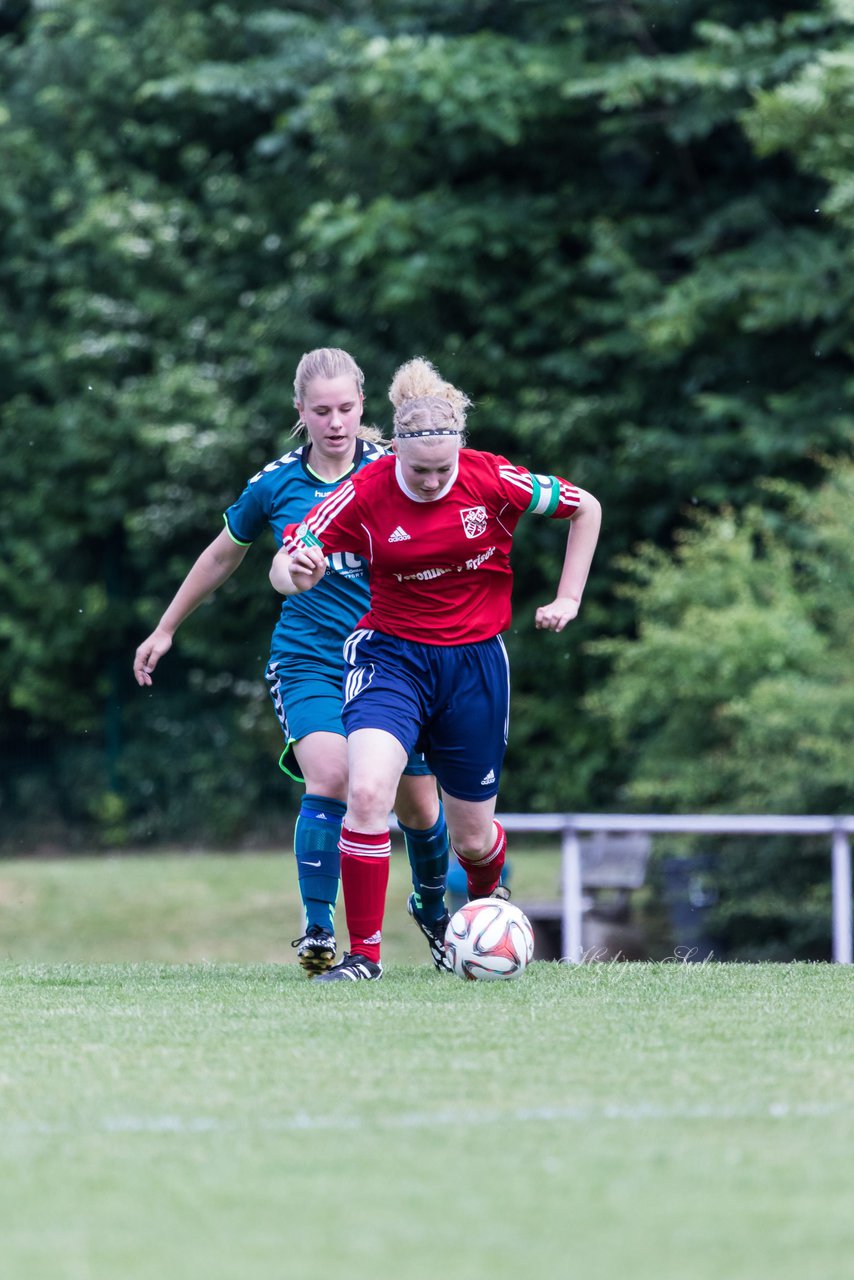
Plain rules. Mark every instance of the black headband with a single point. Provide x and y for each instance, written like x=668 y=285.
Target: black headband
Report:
x=409 y=435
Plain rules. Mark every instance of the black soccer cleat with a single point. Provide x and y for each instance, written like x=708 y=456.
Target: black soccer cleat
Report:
x=353 y=968
x=315 y=950
x=434 y=932
x=500 y=891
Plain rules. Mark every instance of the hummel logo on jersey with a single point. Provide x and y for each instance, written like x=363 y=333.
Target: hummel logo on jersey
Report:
x=490 y=777
x=400 y=535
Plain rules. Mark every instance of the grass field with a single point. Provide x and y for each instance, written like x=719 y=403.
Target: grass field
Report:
x=226 y=1118
x=184 y=908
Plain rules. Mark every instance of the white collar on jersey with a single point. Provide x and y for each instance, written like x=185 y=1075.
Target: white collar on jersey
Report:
x=398 y=475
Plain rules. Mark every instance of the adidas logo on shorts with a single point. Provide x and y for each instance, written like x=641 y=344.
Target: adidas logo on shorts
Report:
x=400 y=535
x=490 y=777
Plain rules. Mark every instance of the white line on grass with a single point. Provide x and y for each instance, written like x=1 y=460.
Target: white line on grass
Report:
x=302 y=1121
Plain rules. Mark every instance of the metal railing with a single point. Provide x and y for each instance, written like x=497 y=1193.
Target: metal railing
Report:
x=571 y=825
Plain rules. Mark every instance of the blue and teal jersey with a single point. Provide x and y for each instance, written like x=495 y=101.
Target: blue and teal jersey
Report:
x=312 y=626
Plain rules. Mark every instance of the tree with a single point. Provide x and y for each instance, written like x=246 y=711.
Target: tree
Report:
x=737 y=692
x=592 y=221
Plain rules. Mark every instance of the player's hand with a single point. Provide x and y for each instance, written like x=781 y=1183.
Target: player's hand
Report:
x=149 y=654
x=307 y=566
x=555 y=616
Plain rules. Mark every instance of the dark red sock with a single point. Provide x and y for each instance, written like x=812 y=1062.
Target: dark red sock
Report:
x=484 y=876
x=364 y=879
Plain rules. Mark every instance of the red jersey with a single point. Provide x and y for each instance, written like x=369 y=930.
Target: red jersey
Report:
x=440 y=571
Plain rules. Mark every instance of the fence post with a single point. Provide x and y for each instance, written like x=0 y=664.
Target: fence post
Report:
x=570 y=824
x=841 y=870
x=571 y=948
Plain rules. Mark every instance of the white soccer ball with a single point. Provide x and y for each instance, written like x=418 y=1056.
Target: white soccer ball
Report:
x=489 y=938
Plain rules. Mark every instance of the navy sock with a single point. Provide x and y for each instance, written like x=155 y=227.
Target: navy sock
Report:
x=316 y=836
x=428 y=858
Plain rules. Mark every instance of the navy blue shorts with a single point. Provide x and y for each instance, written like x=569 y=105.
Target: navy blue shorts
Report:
x=450 y=701
x=307 y=699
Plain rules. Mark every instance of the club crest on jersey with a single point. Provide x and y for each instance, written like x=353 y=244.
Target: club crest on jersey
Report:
x=474 y=521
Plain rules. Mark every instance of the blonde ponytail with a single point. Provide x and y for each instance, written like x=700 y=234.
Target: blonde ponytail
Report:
x=424 y=403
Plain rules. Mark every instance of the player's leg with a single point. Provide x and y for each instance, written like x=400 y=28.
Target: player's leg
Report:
x=479 y=842
x=422 y=823
x=322 y=758
x=376 y=760
x=421 y=819
x=382 y=712
x=467 y=741
x=308 y=707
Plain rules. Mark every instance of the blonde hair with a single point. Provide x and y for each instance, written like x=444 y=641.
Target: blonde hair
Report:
x=425 y=404
x=329 y=362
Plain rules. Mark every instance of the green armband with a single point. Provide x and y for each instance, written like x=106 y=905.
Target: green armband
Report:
x=545 y=496
x=307 y=538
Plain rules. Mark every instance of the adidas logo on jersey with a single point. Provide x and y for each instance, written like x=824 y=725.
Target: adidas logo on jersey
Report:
x=490 y=777
x=400 y=535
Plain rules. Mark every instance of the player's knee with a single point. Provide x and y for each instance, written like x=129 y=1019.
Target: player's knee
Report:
x=328 y=781
x=418 y=812
x=472 y=845
x=369 y=801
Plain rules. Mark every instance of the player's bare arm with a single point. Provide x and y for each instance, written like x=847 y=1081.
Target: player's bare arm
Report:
x=214 y=566
x=581 y=543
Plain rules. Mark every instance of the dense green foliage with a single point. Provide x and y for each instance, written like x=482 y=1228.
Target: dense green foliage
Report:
x=737 y=694
x=737 y=691
x=625 y=230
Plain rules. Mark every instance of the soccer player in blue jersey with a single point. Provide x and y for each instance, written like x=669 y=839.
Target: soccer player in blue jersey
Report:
x=306 y=665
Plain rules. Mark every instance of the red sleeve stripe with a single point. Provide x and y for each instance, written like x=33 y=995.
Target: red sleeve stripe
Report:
x=324 y=514
x=332 y=507
x=569 y=494
x=516 y=476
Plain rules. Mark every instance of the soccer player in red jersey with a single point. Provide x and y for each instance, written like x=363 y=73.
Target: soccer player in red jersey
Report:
x=426 y=664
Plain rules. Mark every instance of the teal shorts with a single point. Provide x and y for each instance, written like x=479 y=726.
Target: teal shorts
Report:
x=308 y=700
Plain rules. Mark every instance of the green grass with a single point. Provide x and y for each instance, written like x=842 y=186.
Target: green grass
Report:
x=203 y=1121
x=179 y=908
